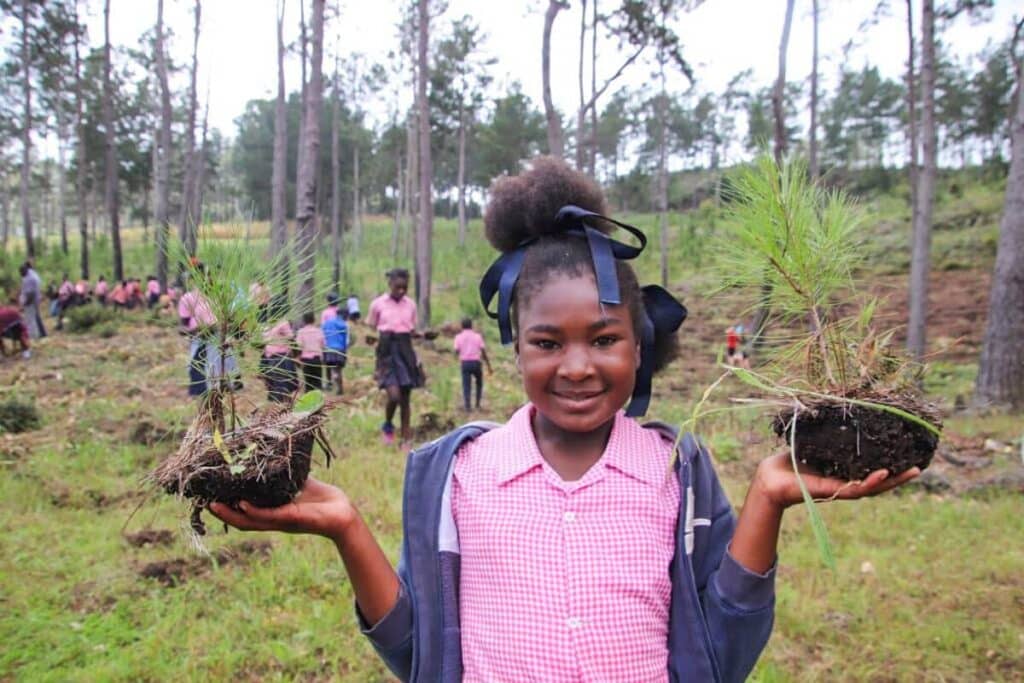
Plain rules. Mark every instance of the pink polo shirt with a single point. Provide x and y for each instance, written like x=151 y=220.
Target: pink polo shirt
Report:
x=153 y=287
x=196 y=308
x=469 y=344
x=565 y=580
x=310 y=339
x=328 y=313
x=278 y=339
x=102 y=288
x=388 y=315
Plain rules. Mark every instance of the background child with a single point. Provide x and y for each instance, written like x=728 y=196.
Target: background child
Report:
x=276 y=365
x=568 y=540
x=469 y=345
x=398 y=370
x=335 y=331
x=352 y=304
x=102 y=290
x=152 y=292
x=332 y=308
x=310 y=340
x=14 y=328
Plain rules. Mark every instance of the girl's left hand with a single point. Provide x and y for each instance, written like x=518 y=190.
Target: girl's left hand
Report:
x=777 y=482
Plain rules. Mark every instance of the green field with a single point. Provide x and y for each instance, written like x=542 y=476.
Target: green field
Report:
x=929 y=584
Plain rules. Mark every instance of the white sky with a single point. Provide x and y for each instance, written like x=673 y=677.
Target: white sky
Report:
x=237 y=59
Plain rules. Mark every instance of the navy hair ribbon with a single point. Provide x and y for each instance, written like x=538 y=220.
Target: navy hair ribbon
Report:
x=664 y=314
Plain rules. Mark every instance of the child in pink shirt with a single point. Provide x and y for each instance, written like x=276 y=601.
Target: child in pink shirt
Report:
x=102 y=289
x=469 y=346
x=332 y=309
x=310 y=340
x=152 y=292
x=277 y=368
x=571 y=543
x=398 y=370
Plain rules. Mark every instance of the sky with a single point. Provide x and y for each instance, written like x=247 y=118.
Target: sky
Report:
x=237 y=58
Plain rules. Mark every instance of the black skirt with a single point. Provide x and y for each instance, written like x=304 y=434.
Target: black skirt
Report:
x=397 y=364
x=279 y=372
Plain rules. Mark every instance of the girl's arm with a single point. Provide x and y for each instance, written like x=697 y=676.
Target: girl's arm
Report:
x=483 y=354
x=325 y=510
x=775 y=488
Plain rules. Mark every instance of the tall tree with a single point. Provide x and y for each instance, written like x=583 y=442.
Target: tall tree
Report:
x=26 y=129
x=1000 y=378
x=82 y=163
x=581 y=112
x=425 y=228
x=778 y=92
x=922 y=229
x=911 y=87
x=279 y=174
x=163 y=162
x=556 y=143
x=335 y=180
x=112 y=196
x=813 y=142
x=187 y=228
x=305 y=208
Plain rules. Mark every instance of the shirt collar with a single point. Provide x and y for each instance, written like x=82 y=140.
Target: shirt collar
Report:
x=629 y=449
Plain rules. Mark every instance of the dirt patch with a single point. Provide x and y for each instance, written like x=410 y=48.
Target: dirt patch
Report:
x=150 y=537
x=850 y=441
x=178 y=570
x=88 y=597
x=431 y=426
x=147 y=433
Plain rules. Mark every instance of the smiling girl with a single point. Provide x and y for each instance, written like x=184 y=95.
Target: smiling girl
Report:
x=570 y=543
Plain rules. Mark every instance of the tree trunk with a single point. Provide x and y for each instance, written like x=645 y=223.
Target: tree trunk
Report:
x=279 y=175
x=303 y=61
x=663 y=171
x=163 y=168
x=922 y=239
x=5 y=216
x=200 y=167
x=556 y=145
x=62 y=218
x=336 y=182
x=592 y=140
x=83 y=212
x=113 y=207
x=779 y=91
x=26 y=134
x=581 y=112
x=187 y=223
x=912 y=114
x=396 y=229
x=305 y=208
x=412 y=179
x=1000 y=379
x=357 y=220
x=424 y=234
x=813 y=144
x=462 y=176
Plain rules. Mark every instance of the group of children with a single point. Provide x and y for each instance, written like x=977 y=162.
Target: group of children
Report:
x=310 y=352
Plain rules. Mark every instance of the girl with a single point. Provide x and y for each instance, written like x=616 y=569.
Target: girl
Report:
x=152 y=292
x=332 y=308
x=570 y=543
x=102 y=288
x=469 y=346
x=276 y=365
x=398 y=371
x=310 y=339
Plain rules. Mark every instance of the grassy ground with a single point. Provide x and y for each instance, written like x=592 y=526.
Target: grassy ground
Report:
x=929 y=585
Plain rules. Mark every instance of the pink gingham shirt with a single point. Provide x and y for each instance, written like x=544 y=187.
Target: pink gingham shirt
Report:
x=310 y=340
x=562 y=580
x=388 y=315
x=328 y=313
x=196 y=308
x=278 y=339
x=469 y=344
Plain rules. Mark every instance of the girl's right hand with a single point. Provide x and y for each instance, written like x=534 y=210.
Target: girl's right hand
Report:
x=319 y=509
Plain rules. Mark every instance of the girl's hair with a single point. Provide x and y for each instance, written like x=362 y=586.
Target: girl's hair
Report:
x=308 y=318
x=394 y=273
x=467 y=323
x=523 y=207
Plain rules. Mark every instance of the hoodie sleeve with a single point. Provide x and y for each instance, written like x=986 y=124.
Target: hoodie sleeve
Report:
x=391 y=637
x=739 y=605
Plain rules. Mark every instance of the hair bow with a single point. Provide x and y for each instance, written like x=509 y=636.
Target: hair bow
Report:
x=663 y=313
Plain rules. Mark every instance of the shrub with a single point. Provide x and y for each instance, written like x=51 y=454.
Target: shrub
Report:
x=81 y=319
x=18 y=416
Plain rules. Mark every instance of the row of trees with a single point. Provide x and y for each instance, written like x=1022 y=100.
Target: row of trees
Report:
x=315 y=153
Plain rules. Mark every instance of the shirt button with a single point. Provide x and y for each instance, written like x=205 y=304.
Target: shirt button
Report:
x=574 y=622
x=569 y=516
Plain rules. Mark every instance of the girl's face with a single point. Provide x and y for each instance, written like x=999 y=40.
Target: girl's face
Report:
x=578 y=358
x=398 y=287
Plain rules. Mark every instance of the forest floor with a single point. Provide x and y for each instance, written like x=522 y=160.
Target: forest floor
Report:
x=97 y=581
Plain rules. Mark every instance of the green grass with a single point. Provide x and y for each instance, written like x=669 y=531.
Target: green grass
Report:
x=943 y=599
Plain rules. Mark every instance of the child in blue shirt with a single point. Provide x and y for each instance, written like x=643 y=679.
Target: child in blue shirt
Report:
x=335 y=331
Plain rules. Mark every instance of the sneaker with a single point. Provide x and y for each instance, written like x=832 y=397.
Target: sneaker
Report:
x=26 y=354
x=387 y=433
